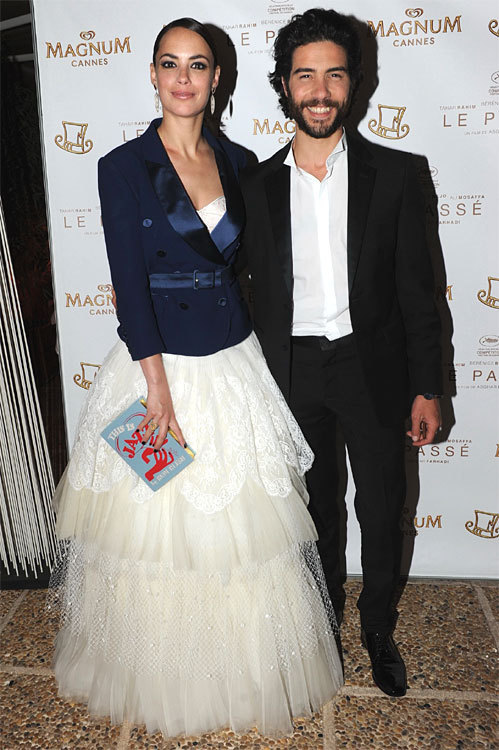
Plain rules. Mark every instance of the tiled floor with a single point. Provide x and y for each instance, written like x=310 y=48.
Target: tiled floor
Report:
x=447 y=631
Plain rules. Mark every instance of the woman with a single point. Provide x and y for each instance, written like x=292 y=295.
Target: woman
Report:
x=201 y=605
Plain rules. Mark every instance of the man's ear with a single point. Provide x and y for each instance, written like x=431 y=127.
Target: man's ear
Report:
x=284 y=85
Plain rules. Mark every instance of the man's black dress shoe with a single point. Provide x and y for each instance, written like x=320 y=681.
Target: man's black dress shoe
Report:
x=388 y=666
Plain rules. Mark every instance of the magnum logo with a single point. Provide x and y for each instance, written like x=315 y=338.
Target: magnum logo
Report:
x=485 y=526
x=98 y=304
x=389 y=124
x=494 y=27
x=415 y=30
x=85 y=378
x=73 y=138
x=409 y=523
x=88 y=52
x=487 y=297
x=265 y=127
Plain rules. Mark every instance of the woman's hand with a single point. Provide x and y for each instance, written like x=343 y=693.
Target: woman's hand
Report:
x=160 y=414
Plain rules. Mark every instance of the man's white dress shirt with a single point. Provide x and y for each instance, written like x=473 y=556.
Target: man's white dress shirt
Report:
x=319 y=246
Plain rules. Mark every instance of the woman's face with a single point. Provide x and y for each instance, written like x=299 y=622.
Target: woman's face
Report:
x=183 y=73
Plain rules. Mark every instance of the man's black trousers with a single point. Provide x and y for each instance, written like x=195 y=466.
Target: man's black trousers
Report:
x=327 y=385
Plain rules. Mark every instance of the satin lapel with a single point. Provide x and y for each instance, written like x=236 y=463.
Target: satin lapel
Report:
x=231 y=224
x=361 y=177
x=277 y=185
x=180 y=212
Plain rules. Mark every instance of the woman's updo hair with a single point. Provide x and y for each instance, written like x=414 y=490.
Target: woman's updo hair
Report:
x=192 y=25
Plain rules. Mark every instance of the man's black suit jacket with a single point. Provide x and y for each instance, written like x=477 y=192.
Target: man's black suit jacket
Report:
x=391 y=290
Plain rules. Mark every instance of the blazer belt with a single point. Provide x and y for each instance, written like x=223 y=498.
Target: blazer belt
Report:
x=191 y=279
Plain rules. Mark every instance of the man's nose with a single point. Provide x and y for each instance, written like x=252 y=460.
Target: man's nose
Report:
x=320 y=88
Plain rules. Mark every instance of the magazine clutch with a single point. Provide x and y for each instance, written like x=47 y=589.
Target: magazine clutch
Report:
x=155 y=468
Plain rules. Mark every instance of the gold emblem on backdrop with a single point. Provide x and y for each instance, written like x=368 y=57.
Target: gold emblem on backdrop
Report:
x=389 y=124
x=485 y=526
x=494 y=27
x=490 y=297
x=414 y=12
x=73 y=139
x=88 y=372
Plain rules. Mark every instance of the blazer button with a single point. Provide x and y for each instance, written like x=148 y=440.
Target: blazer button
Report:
x=183 y=305
x=161 y=253
x=222 y=301
x=147 y=223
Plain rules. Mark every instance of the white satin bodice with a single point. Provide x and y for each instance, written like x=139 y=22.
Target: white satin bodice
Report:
x=211 y=214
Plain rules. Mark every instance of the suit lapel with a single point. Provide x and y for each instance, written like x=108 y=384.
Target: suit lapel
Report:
x=176 y=203
x=277 y=187
x=361 y=178
x=231 y=224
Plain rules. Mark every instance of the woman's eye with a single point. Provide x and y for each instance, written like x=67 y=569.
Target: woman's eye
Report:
x=168 y=64
x=199 y=66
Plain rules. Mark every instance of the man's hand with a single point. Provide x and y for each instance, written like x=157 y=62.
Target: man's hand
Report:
x=425 y=420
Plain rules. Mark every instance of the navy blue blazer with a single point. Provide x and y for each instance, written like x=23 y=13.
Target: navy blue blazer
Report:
x=174 y=284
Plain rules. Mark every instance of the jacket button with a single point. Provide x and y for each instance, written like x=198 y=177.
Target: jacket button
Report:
x=161 y=253
x=183 y=305
x=147 y=223
x=222 y=301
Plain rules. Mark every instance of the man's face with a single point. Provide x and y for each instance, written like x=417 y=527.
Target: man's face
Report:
x=319 y=88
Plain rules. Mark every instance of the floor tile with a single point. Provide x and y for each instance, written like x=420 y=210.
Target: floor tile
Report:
x=356 y=661
x=391 y=724
x=35 y=718
x=445 y=639
x=307 y=736
x=28 y=639
x=492 y=595
x=442 y=634
x=7 y=599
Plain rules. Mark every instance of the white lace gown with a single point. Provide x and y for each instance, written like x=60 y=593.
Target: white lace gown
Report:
x=202 y=605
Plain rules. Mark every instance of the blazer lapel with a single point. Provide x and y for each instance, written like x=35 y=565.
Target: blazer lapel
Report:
x=361 y=178
x=231 y=224
x=277 y=187
x=174 y=200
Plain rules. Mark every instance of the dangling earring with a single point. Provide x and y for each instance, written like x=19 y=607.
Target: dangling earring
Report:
x=157 y=101
x=212 y=101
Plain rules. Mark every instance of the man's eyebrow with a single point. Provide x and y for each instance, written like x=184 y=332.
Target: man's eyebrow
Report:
x=312 y=70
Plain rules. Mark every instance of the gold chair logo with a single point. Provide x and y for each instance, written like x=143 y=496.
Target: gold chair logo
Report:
x=485 y=525
x=487 y=297
x=389 y=123
x=494 y=26
x=85 y=378
x=73 y=139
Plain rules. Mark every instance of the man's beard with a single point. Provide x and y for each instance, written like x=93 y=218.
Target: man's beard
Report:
x=319 y=129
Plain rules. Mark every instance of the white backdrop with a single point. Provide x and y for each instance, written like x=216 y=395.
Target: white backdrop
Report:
x=438 y=96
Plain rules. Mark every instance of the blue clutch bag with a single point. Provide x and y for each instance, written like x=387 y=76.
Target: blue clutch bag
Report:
x=155 y=468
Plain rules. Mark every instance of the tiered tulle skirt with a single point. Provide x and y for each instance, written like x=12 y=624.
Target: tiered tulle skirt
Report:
x=202 y=605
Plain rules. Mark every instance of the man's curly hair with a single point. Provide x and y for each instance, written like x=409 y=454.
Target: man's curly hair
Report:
x=315 y=25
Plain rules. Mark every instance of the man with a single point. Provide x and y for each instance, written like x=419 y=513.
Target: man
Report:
x=343 y=308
